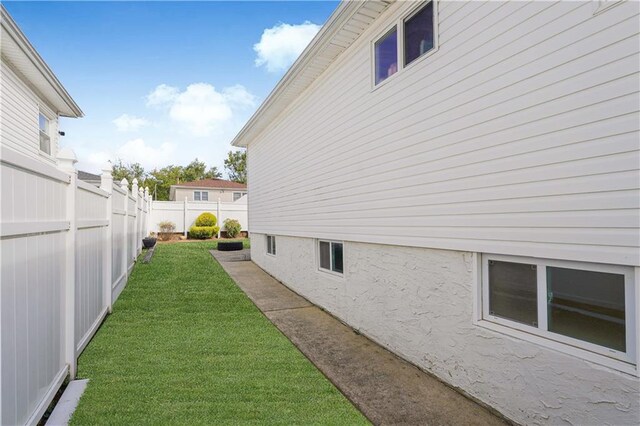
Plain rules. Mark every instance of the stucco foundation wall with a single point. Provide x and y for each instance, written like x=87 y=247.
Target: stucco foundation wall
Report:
x=419 y=303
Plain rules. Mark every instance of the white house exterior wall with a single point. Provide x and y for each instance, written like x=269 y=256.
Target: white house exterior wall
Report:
x=20 y=108
x=519 y=136
x=225 y=195
x=419 y=303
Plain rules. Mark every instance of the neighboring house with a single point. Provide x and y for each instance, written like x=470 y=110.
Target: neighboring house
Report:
x=89 y=178
x=459 y=182
x=208 y=190
x=32 y=98
x=33 y=228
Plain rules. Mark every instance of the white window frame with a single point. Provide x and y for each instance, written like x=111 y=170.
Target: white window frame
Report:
x=238 y=193
x=331 y=271
x=200 y=195
x=399 y=26
x=624 y=361
x=271 y=245
x=46 y=133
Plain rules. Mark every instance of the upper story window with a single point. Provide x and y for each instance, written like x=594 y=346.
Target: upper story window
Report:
x=418 y=33
x=413 y=36
x=200 y=195
x=238 y=195
x=45 y=136
x=386 y=51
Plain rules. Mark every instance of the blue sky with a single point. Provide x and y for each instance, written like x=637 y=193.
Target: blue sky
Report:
x=164 y=82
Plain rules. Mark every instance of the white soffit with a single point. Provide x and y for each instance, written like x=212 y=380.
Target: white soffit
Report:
x=23 y=58
x=344 y=26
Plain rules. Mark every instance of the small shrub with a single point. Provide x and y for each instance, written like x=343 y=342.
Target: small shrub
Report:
x=206 y=219
x=203 y=232
x=232 y=227
x=166 y=229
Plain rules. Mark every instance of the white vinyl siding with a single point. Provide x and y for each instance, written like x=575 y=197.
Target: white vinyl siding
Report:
x=518 y=136
x=20 y=109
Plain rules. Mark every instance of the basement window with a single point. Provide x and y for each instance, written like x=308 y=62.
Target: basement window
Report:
x=330 y=256
x=271 y=245
x=581 y=305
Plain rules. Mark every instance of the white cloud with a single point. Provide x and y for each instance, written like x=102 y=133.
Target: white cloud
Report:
x=238 y=95
x=137 y=151
x=129 y=123
x=201 y=109
x=133 y=151
x=162 y=95
x=281 y=45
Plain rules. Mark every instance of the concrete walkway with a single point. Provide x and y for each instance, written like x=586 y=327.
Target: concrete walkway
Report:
x=386 y=389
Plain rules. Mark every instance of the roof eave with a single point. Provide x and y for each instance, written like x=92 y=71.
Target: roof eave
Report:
x=336 y=22
x=67 y=107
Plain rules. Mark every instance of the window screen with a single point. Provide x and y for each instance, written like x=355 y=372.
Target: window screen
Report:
x=513 y=291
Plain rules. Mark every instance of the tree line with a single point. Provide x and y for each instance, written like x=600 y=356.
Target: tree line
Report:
x=159 y=181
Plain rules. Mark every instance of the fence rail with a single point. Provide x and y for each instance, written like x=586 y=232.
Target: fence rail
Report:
x=67 y=249
x=184 y=213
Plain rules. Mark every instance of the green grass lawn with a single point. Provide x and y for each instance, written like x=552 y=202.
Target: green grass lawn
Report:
x=185 y=345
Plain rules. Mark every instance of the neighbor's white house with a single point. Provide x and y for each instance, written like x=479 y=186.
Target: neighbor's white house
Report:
x=459 y=181
x=208 y=190
x=32 y=98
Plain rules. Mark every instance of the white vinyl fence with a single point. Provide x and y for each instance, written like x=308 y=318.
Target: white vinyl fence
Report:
x=184 y=213
x=67 y=248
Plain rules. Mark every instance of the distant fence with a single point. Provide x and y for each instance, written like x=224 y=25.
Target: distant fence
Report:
x=184 y=213
x=67 y=248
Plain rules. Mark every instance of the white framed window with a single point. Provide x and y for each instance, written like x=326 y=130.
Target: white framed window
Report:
x=411 y=37
x=44 y=125
x=386 y=56
x=330 y=256
x=238 y=195
x=271 y=245
x=200 y=195
x=418 y=33
x=579 y=308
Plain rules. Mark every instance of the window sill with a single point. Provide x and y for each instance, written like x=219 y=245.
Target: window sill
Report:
x=49 y=157
x=331 y=273
x=564 y=348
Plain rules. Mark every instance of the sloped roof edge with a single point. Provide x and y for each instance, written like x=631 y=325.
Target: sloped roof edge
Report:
x=211 y=183
x=350 y=19
x=65 y=104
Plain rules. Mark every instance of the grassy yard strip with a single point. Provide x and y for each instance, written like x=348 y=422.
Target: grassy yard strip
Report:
x=186 y=346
